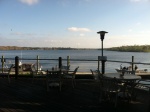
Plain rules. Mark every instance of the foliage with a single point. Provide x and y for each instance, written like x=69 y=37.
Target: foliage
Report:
x=40 y=48
x=135 y=48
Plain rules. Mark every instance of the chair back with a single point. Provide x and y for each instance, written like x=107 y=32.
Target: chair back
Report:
x=9 y=71
x=76 y=69
x=54 y=75
x=96 y=74
x=33 y=70
x=54 y=78
x=74 y=72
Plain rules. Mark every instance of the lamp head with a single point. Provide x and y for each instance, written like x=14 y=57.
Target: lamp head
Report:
x=102 y=34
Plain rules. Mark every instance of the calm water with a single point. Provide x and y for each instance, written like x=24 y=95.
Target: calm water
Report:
x=79 y=54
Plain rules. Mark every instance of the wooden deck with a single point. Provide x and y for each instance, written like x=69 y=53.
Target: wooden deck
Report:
x=23 y=95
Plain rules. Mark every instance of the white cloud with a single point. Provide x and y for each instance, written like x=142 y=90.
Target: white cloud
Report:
x=82 y=34
x=29 y=2
x=139 y=0
x=138 y=23
x=75 y=29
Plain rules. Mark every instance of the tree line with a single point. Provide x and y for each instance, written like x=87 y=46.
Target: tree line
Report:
x=134 y=48
x=40 y=48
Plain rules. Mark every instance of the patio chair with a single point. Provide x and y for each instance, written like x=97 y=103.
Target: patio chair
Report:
x=54 y=79
x=144 y=85
x=35 y=73
x=71 y=75
x=96 y=74
x=109 y=90
x=7 y=72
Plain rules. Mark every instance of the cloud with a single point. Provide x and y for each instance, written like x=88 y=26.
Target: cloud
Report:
x=75 y=29
x=139 y=0
x=82 y=34
x=29 y=2
x=138 y=23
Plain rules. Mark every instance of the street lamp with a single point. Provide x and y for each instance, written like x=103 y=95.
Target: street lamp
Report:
x=102 y=58
x=102 y=35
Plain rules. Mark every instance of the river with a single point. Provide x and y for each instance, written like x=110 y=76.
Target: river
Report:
x=85 y=66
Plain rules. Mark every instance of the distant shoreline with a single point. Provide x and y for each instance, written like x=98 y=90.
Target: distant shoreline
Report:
x=135 y=48
x=43 y=48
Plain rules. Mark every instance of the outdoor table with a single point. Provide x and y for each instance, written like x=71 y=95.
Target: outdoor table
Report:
x=128 y=80
x=125 y=77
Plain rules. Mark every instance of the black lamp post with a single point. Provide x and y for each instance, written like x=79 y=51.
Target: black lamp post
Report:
x=102 y=35
x=103 y=59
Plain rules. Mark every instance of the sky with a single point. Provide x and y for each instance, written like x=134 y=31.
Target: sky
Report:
x=74 y=23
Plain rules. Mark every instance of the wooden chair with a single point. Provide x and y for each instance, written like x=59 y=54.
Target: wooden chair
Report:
x=54 y=79
x=7 y=73
x=71 y=75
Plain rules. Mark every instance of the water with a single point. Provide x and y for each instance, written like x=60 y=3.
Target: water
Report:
x=85 y=66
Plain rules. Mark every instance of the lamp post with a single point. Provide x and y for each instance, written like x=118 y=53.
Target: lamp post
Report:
x=103 y=59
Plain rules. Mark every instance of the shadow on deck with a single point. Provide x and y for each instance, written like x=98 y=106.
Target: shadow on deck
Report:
x=21 y=95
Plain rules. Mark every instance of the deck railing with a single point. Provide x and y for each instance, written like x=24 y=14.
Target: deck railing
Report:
x=84 y=64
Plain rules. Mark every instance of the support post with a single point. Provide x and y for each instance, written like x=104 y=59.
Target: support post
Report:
x=60 y=62
x=132 y=62
x=102 y=47
x=103 y=60
x=37 y=63
x=98 y=62
x=103 y=66
x=68 y=61
x=3 y=61
x=16 y=67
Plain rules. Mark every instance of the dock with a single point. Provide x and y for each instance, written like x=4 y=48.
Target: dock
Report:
x=24 y=95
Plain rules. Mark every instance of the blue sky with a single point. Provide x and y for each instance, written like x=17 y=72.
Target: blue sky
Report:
x=74 y=23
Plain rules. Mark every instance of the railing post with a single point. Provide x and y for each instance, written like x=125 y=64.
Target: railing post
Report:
x=103 y=60
x=37 y=63
x=103 y=66
x=132 y=62
x=16 y=67
x=68 y=61
x=98 y=63
x=60 y=62
x=3 y=61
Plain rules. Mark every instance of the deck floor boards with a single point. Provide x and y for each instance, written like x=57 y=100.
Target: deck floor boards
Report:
x=23 y=95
